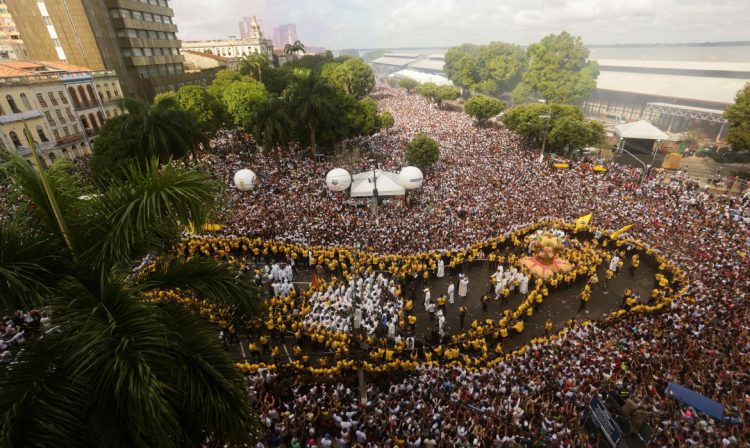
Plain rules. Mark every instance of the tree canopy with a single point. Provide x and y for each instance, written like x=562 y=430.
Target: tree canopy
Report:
x=483 y=107
x=563 y=125
x=438 y=94
x=422 y=152
x=738 y=116
x=351 y=77
x=253 y=65
x=386 y=120
x=559 y=71
x=209 y=112
x=491 y=69
x=241 y=97
x=408 y=84
x=119 y=369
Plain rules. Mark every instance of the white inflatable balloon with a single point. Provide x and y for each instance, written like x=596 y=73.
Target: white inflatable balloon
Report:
x=411 y=177
x=244 y=180
x=338 y=179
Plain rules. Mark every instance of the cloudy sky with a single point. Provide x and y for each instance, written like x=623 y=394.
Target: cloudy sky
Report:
x=337 y=24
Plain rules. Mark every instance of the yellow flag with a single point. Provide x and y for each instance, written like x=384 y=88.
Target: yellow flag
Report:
x=583 y=221
x=621 y=231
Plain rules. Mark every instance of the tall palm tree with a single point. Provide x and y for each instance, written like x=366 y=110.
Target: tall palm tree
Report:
x=162 y=129
x=293 y=49
x=270 y=122
x=116 y=370
x=312 y=100
x=253 y=64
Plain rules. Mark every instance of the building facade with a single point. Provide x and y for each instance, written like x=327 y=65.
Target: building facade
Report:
x=63 y=106
x=135 y=38
x=254 y=43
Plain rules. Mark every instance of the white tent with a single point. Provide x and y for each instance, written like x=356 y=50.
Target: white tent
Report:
x=388 y=184
x=422 y=77
x=640 y=129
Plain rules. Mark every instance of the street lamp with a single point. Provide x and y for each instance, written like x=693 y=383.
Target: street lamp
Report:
x=546 y=129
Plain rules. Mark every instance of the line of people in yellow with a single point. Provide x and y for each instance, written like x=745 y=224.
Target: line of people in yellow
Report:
x=480 y=346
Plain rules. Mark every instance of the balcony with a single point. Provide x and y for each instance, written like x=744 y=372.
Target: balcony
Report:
x=69 y=139
x=25 y=151
x=83 y=105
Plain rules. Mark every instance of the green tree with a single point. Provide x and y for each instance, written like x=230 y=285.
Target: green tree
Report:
x=241 y=98
x=312 y=101
x=293 y=49
x=207 y=109
x=386 y=120
x=482 y=107
x=270 y=122
x=438 y=94
x=352 y=77
x=277 y=79
x=559 y=70
x=738 y=118
x=163 y=129
x=490 y=69
x=112 y=148
x=253 y=65
x=408 y=84
x=118 y=370
x=422 y=152
x=221 y=81
x=562 y=125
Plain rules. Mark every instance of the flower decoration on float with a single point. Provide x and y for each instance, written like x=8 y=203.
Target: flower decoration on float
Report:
x=544 y=247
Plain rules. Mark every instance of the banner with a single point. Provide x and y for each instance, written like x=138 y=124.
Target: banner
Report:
x=602 y=418
x=696 y=400
x=583 y=221
x=621 y=231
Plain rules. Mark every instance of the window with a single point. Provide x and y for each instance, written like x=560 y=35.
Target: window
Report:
x=147 y=17
x=72 y=93
x=142 y=34
x=92 y=95
x=52 y=98
x=60 y=116
x=42 y=135
x=41 y=100
x=62 y=96
x=147 y=52
x=25 y=101
x=14 y=138
x=137 y=52
x=56 y=133
x=153 y=35
x=49 y=118
x=161 y=35
x=71 y=117
x=12 y=104
x=75 y=129
x=137 y=15
x=127 y=53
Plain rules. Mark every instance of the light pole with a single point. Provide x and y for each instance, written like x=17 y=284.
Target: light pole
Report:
x=546 y=129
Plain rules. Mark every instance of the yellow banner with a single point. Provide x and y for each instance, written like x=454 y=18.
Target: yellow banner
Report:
x=621 y=231
x=583 y=221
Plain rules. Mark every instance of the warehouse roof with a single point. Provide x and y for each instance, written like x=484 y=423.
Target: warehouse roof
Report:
x=709 y=89
x=395 y=61
x=679 y=65
x=429 y=64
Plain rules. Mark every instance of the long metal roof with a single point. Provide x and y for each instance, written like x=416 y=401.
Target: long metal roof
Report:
x=397 y=62
x=709 y=89
x=429 y=64
x=679 y=65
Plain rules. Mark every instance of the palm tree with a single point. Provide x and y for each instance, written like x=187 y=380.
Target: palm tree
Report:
x=254 y=64
x=270 y=122
x=293 y=49
x=162 y=129
x=312 y=100
x=116 y=370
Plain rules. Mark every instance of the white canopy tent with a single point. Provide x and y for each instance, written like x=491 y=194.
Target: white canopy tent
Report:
x=422 y=77
x=640 y=129
x=388 y=184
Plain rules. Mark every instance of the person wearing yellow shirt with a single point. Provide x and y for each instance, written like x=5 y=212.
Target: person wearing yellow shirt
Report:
x=518 y=326
x=547 y=327
x=412 y=321
x=503 y=332
x=585 y=297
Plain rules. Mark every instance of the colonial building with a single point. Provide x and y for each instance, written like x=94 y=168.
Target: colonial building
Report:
x=235 y=48
x=197 y=60
x=63 y=106
x=136 y=39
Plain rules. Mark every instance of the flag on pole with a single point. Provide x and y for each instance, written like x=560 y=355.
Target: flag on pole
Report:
x=621 y=231
x=583 y=221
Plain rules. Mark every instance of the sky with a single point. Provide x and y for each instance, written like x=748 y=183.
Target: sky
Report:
x=339 y=24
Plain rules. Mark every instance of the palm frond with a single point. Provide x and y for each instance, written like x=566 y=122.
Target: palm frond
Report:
x=29 y=266
x=209 y=280
x=140 y=213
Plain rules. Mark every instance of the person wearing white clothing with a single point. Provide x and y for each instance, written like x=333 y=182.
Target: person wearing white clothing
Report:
x=463 y=287
x=451 y=292
x=440 y=268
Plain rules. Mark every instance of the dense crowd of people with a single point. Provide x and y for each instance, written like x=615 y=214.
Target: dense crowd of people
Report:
x=486 y=182
x=17 y=328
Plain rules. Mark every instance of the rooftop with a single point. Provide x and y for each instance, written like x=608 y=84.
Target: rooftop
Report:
x=679 y=65
x=207 y=55
x=707 y=89
x=19 y=69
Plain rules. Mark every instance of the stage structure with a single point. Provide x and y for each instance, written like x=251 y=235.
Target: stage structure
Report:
x=637 y=145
